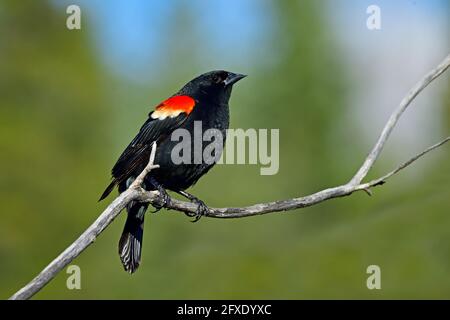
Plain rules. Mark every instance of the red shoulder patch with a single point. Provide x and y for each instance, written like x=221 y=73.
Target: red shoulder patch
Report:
x=173 y=106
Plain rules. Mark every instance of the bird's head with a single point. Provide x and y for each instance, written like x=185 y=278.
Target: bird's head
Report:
x=213 y=85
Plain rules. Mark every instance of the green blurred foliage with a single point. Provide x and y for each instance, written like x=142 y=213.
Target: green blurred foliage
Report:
x=64 y=120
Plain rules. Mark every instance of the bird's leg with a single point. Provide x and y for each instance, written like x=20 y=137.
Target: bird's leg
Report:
x=202 y=209
x=162 y=192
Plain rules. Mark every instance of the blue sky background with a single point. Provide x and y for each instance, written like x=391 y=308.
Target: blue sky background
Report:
x=134 y=40
x=131 y=36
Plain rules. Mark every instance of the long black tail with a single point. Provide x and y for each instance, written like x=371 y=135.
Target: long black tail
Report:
x=130 y=244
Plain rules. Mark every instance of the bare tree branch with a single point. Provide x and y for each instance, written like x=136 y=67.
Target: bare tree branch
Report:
x=88 y=236
x=393 y=119
x=136 y=193
x=289 y=204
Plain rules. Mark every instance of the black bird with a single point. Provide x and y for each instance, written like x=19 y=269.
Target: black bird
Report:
x=204 y=99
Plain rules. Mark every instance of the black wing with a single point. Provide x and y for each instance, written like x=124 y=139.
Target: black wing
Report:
x=138 y=151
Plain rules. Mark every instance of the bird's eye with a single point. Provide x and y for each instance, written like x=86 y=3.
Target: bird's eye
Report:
x=220 y=77
x=217 y=78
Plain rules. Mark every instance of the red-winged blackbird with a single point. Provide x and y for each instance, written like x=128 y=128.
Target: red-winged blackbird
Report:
x=204 y=99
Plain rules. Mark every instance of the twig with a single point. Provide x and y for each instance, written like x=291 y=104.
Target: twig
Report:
x=150 y=166
x=136 y=193
x=383 y=179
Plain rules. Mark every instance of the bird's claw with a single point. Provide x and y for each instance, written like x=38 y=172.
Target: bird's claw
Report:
x=202 y=210
x=165 y=199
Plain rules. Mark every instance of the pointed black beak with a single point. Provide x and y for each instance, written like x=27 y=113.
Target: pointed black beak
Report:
x=233 y=78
